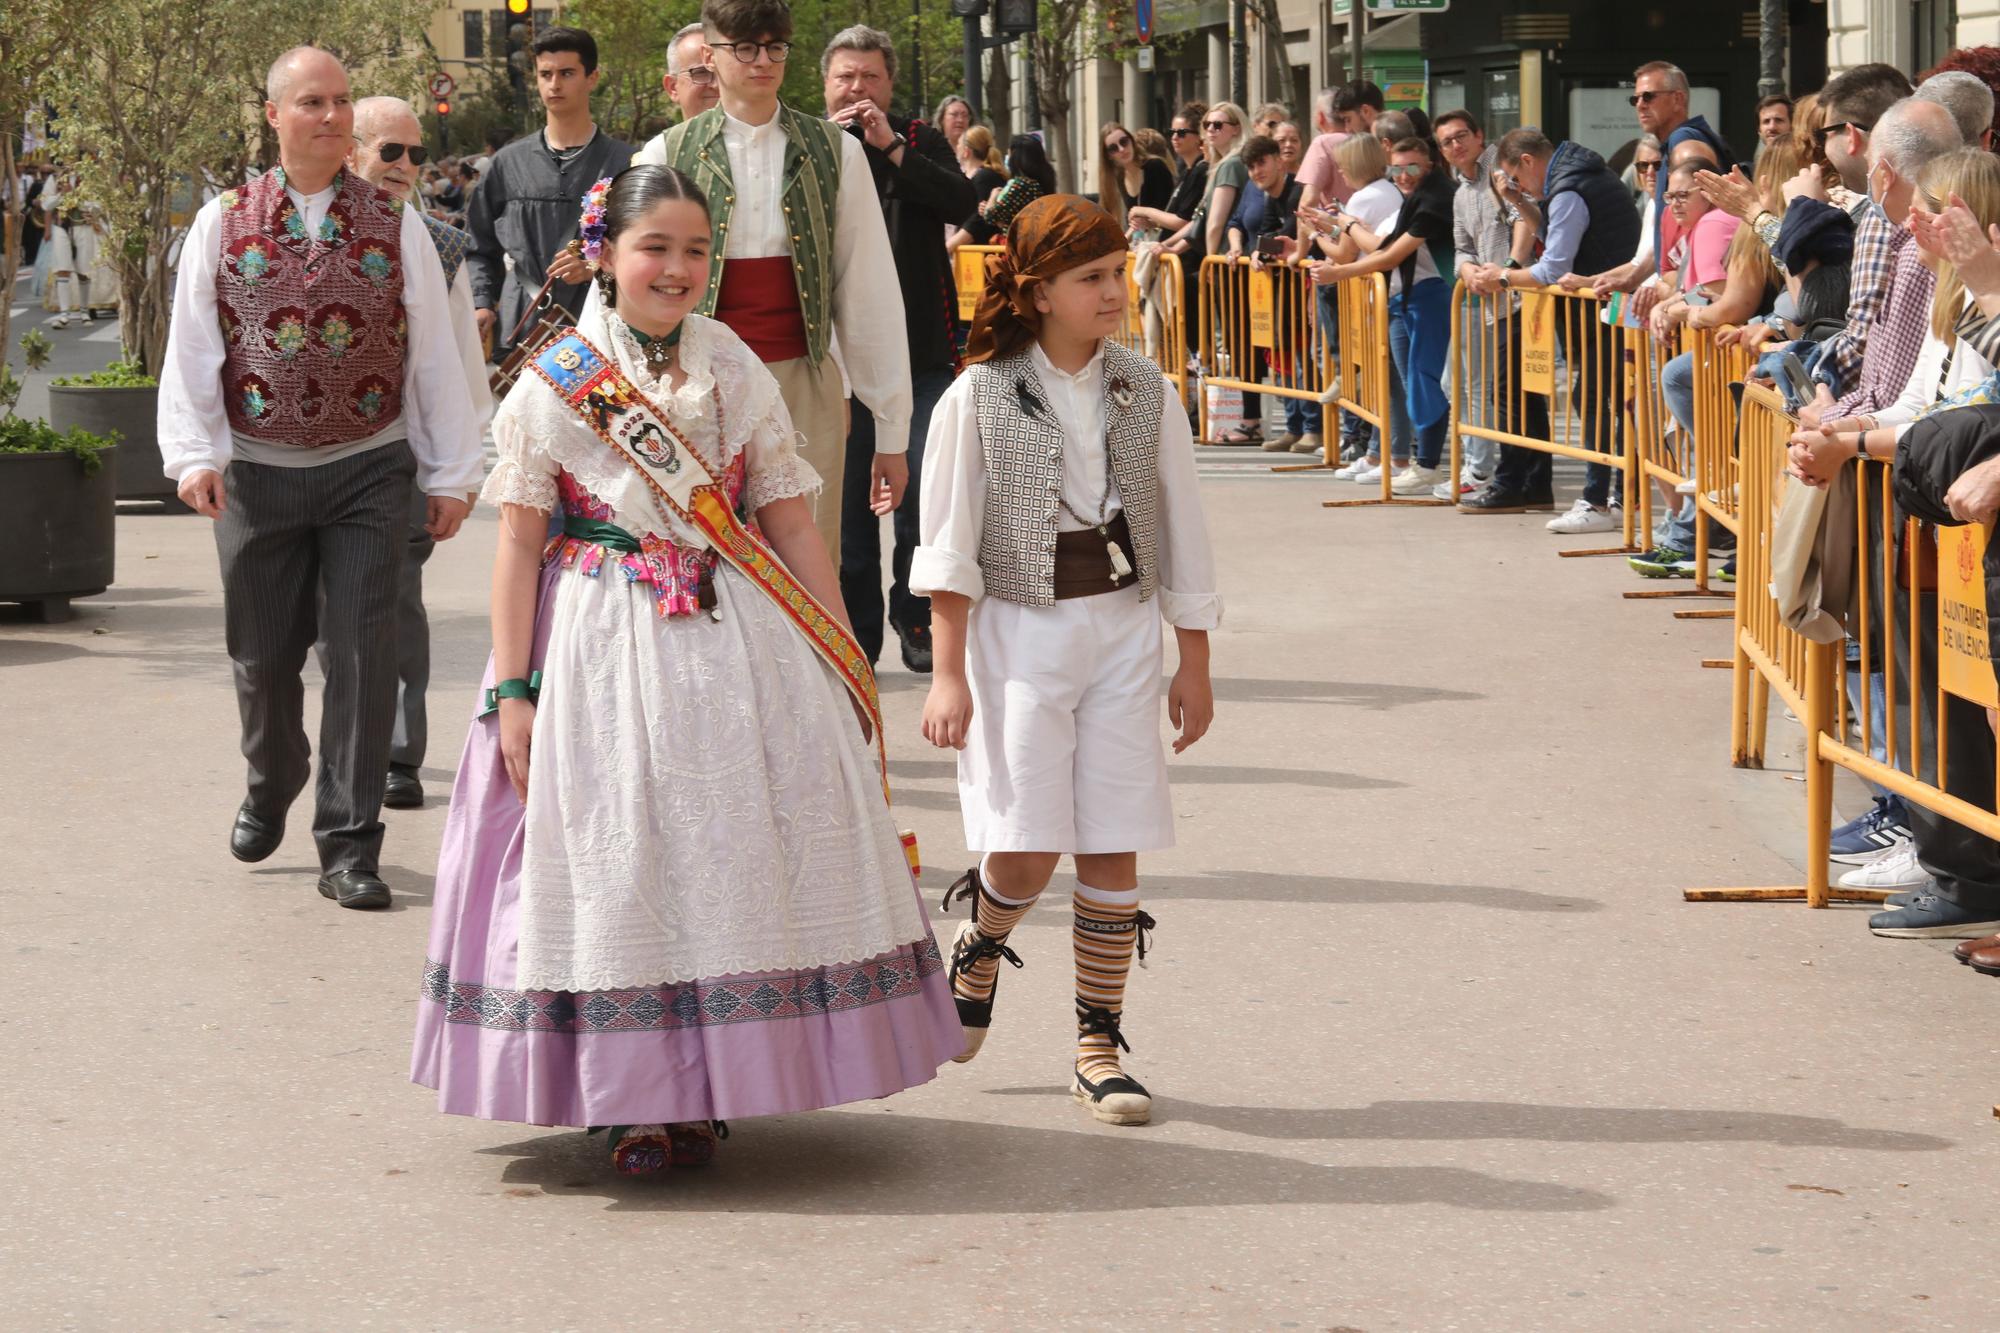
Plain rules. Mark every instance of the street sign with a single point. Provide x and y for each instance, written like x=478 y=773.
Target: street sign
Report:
x=1963 y=665
x=442 y=84
x=1393 y=7
x=1142 y=15
x=1145 y=59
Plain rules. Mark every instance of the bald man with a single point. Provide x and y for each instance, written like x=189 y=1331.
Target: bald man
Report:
x=310 y=380
x=388 y=153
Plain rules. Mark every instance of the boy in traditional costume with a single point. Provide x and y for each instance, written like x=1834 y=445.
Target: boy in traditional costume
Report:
x=670 y=892
x=801 y=252
x=1061 y=523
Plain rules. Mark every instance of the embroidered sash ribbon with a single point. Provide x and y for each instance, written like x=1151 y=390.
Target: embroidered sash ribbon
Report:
x=621 y=416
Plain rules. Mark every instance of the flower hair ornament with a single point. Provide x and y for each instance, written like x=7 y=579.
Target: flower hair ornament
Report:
x=591 y=224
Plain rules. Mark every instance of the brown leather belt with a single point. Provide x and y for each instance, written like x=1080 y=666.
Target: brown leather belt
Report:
x=1083 y=564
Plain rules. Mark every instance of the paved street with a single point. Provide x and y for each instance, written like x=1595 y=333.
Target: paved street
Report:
x=1435 y=1042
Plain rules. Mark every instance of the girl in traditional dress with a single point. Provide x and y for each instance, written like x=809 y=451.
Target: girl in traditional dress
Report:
x=1061 y=522
x=669 y=893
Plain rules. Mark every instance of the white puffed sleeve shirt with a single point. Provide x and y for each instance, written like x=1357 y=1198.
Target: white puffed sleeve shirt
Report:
x=954 y=493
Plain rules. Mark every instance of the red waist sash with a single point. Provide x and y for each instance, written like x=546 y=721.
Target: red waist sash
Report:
x=759 y=301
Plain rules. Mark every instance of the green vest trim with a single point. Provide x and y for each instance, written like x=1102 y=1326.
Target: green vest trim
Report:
x=811 y=184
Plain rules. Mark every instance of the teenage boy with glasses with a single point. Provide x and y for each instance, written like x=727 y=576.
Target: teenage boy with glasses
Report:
x=801 y=252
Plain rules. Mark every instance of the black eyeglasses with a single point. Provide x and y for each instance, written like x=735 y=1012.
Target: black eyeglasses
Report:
x=746 y=52
x=1183 y=134
x=393 y=152
x=1825 y=132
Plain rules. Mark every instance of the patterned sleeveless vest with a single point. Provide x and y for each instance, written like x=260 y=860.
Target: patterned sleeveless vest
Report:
x=314 y=325
x=1023 y=444
x=810 y=185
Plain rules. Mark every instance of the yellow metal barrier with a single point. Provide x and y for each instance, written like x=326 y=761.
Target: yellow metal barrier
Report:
x=1582 y=398
x=1265 y=316
x=1702 y=459
x=1922 y=630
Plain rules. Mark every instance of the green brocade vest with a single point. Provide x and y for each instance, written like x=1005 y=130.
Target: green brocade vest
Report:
x=811 y=184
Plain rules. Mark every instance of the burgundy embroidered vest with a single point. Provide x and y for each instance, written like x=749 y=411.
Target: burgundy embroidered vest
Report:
x=314 y=325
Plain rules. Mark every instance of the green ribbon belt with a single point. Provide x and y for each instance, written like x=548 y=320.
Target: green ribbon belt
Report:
x=608 y=535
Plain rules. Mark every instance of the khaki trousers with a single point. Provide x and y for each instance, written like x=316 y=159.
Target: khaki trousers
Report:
x=819 y=414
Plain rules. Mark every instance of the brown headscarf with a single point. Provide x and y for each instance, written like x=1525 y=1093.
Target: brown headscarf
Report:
x=1055 y=234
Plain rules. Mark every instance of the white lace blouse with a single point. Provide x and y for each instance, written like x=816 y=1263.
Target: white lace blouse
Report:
x=537 y=435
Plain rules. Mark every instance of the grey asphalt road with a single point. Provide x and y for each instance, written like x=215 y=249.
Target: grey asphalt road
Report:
x=1435 y=1041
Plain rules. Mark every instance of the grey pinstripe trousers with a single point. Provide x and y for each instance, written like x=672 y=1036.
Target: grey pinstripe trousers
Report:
x=317 y=553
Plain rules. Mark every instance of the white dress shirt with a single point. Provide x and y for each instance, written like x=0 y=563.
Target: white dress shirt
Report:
x=867 y=309
x=438 y=416
x=471 y=351
x=954 y=492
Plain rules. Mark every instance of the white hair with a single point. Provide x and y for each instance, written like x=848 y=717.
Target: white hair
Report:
x=371 y=112
x=1966 y=96
x=691 y=30
x=1912 y=134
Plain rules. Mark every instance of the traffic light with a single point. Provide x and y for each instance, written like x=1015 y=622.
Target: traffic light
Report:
x=1016 y=16
x=443 y=108
x=517 y=7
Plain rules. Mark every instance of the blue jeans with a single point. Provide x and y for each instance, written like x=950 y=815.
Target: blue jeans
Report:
x=1677 y=387
x=1419 y=341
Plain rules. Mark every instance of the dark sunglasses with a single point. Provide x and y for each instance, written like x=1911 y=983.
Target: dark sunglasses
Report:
x=1183 y=134
x=1648 y=97
x=1645 y=164
x=1218 y=124
x=393 y=152
x=1115 y=144
x=1825 y=132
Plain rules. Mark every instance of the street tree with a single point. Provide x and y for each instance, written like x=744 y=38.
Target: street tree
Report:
x=32 y=34
x=159 y=103
x=1073 y=34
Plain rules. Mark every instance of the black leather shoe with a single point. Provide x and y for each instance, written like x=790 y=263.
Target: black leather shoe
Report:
x=1493 y=500
x=404 y=790
x=253 y=837
x=916 y=648
x=362 y=890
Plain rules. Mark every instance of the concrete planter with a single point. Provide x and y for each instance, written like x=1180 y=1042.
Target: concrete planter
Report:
x=128 y=416
x=57 y=530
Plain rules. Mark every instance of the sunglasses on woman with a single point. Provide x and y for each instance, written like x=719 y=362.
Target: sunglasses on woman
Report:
x=1119 y=144
x=1182 y=134
x=393 y=152
x=1218 y=124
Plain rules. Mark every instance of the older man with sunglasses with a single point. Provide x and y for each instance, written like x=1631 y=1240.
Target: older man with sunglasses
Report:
x=690 y=78
x=388 y=153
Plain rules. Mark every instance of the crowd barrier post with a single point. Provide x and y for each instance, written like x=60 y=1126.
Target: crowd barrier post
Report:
x=1771 y=658
x=1268 y=314
x=1916 y=623
x=1519 y=352
x=1362 y=322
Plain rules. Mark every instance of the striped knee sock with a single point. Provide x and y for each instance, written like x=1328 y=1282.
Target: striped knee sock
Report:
x=1106 y=929
x=996 y=917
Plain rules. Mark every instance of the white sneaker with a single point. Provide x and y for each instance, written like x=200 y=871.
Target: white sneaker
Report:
x=1347 y=471
x=1369 y=475
x=1584 y=516
x=1470 y=484
x=60 y=321
x=1897 y=870
x=1415 y=480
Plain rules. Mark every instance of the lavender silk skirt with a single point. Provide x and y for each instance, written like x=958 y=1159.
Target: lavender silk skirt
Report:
x=723 y=1048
